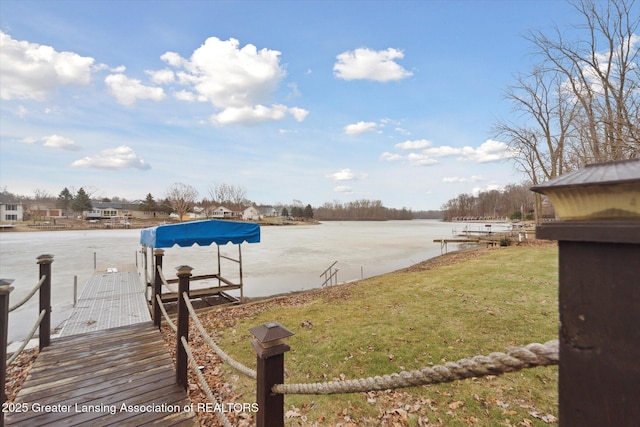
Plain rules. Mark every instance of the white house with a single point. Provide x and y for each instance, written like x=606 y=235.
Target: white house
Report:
x=11 y=212
x=251 y=214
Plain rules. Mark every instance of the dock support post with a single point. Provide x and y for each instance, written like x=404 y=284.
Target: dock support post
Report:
x=45 y=299
x=5 y=290
x=157 y=288
x=184 y=273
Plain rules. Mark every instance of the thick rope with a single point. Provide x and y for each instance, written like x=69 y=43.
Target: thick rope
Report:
x=224 y=356
x=28 y=297
x=164 y=281
x=165 y=314
x=17 y=353
x=203 y=383
x=514 y=359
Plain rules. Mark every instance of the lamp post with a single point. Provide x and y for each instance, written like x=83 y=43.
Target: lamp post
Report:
x=598 y=237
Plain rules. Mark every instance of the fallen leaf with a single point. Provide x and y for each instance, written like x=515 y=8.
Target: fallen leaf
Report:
x=457 y=404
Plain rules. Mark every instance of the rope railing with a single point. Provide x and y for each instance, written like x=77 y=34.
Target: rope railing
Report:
x=166 y=315
x=515 y=359
x=29 y=295
x=224 y=356
x=17 y=353
x=270 y=346
x=203 y=382
x=164 y=280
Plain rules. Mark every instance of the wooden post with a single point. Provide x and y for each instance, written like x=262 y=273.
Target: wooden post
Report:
x=5 y=290
x=45 y=299
x=599 y=294
x=184 y=273
x=270 y=346
x=599 y=300
x=157 y=288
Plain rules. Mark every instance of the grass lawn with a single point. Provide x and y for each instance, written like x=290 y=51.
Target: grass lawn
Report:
x=426 y=315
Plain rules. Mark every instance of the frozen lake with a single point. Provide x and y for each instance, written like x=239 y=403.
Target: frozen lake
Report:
x=288 y=258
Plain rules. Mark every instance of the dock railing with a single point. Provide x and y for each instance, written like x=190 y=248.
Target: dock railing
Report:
x=43 y=322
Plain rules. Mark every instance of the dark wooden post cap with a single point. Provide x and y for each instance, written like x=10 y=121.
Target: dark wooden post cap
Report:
x=184 y=270
x=45 y=259
x=270 y=339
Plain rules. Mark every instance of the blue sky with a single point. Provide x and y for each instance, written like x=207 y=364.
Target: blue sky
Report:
x=309 y=100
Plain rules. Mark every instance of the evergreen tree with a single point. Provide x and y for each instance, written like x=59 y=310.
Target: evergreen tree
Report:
x=308 y=212
x=65 y=198
x=81 y=202
x=149 y=204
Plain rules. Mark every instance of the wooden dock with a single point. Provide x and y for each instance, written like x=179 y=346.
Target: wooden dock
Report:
x=110 y=366
x=113 y=296
x=121 y=376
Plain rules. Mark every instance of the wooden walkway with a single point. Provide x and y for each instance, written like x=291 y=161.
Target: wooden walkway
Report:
x=121 y=376
x=113 y=296
x=109 y=366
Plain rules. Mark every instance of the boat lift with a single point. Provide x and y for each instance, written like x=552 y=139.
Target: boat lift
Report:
x=202 y=233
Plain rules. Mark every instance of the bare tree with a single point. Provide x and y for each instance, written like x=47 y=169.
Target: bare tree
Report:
x=599 y=69
x=540 y=138
x=182 y=198
x=232 y=195
x=581 y=103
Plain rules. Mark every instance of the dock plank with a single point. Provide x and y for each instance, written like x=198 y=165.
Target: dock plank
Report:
x=88 y=378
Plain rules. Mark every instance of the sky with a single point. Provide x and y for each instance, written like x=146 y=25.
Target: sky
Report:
x=316 y=101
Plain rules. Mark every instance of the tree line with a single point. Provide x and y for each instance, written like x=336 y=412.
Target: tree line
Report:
x=513 y=202
x=183 y=198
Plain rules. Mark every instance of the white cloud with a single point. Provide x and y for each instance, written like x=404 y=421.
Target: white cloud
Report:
x=359 y=128
x=367 y=64
x=121 y=157
x=443 y=151
x=421 y=160
x=185 y=95
x=60 y=142
x=477 y=190
x=298 y=113
x=414 y=145
x=390 y=157
x=127 y=91
x=238 y=81
x=53 y=141
x=29 y=140
x=256 y=114
x=230 y=76
x=343 y=175
x=454 y=179
x=160 y=77
x=489 y=151
x=34 y=71
x=347 y=175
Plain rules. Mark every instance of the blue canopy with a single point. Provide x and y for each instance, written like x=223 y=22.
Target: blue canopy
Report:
x=203 y=233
